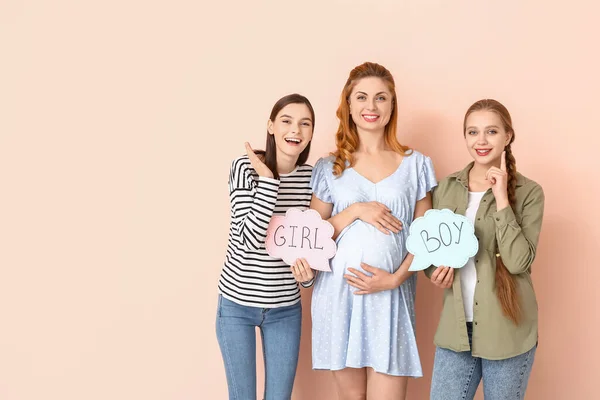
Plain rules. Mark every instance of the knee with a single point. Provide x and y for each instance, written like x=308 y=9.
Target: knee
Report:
x=352 y=394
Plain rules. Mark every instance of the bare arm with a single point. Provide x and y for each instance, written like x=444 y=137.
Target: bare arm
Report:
x=340 y=220
x=371 y=212
x=403 y=273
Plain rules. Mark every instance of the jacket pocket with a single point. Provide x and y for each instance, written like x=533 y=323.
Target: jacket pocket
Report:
x=450 y=207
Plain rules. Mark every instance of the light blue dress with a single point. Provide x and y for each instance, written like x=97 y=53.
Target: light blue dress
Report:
x=374 y=330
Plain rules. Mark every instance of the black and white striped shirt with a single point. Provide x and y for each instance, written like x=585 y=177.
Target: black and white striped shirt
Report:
x=250 y=276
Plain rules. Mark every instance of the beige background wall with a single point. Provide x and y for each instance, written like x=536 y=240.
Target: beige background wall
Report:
x=118 y=122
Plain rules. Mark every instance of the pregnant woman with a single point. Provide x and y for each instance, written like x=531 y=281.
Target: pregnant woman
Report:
x=369 y=189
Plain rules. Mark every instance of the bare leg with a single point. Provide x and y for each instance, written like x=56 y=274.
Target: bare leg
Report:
x=351 y=383
x=385 y=387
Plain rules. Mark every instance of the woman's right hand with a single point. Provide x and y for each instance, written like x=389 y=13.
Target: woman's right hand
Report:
x=443 y=277
x=379 y=216
x=302 y=271
x=259 y=166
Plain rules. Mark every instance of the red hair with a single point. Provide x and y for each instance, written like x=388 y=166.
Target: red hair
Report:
x=346 y=138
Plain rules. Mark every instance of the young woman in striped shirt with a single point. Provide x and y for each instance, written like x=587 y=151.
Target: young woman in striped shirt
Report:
x=255 y=289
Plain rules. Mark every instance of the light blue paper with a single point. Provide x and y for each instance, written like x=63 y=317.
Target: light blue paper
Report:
x=441 y=237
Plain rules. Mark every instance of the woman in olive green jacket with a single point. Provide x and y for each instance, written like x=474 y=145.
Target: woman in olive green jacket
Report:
x=488 y=328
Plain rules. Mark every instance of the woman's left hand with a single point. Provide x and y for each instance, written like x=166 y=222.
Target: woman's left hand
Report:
x=302 y=271
x=379 y=280
x=499 y=180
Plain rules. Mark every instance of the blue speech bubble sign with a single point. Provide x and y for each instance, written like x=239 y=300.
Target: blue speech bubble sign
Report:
x=441 y=237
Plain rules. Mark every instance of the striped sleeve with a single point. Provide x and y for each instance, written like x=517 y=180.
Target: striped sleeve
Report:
x=307 y=284
x=252 y=204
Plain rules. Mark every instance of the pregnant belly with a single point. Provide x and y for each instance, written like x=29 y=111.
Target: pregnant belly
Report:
x=362 y=242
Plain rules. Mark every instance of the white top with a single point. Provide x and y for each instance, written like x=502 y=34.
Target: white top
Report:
x=468 y=273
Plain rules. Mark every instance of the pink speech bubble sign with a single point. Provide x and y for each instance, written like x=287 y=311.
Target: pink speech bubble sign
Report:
x=301 y=234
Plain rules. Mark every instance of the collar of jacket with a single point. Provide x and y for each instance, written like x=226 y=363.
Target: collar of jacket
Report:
x=463 y=176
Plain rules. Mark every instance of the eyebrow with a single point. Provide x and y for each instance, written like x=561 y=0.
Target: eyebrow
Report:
x=377 y=94
x=487 y=127
x=289 y=116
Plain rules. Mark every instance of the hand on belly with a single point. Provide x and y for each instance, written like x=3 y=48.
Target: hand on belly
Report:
x=372 y=281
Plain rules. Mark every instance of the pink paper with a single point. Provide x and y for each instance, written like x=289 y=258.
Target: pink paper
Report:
x=301 y=234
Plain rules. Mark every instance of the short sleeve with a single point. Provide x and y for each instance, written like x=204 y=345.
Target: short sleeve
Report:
x=319 y=181
x=427 y=179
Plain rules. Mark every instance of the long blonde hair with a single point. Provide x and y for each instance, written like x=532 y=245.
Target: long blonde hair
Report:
x=506 y=284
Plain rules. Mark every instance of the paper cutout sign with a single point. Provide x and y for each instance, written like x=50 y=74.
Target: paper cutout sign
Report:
x=441 y=237
x=301 y=234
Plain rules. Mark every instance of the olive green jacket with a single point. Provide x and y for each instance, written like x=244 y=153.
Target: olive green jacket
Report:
x=516 y=234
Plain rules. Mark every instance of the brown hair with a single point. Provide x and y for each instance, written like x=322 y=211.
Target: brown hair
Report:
x=506 y=284
x=269 y=155
x=346 y=138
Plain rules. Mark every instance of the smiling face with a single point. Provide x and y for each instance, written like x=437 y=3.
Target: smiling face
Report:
x=486 y=137
x=292 y=129
x=371 y=104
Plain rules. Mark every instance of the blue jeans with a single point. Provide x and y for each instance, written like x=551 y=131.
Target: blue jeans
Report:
x=280 y=331
x=456 y=375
